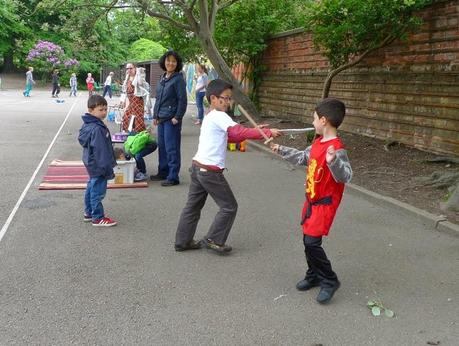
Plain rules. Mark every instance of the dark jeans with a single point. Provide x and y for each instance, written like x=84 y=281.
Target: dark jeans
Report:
x=200 y=104
x=140 y=162
x=107 y=90
x=56 y=90
x=203 y=184
x=319 y=267
x=95 y=193
x=169 y=140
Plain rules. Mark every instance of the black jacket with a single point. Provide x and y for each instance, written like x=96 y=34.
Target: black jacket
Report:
x=171 y=100
x=98 y=155
x=55 y=77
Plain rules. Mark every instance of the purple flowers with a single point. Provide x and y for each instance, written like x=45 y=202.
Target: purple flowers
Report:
x=50 y=54
x=71 y=62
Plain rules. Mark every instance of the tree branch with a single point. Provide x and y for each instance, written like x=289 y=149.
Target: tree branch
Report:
x=226 y=4
x=212 y=16
x=152 y=13
x=389 y=39
x=204 y=12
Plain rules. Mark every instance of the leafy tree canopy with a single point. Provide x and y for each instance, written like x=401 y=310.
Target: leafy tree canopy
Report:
x=144 y=50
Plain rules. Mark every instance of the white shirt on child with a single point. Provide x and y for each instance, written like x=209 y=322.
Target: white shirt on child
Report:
x=108 y=81
x=213 y=139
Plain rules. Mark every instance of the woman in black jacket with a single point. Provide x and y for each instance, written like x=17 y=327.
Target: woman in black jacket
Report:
x=170 y=107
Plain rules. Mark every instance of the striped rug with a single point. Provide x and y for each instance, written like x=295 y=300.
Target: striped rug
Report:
x=72 y=175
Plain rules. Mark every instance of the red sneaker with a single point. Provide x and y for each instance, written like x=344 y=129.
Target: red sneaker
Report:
x=104 y=222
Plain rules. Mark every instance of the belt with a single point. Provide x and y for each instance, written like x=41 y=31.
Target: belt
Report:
x=206 y=168
x=323 y=201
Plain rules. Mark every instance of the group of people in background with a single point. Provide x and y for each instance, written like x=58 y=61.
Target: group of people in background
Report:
x=73 y=83
x=168 y=111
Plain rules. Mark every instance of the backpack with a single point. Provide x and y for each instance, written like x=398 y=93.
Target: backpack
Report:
x=135 y=143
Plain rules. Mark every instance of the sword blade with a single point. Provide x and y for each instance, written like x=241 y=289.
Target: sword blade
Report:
x=296 y=130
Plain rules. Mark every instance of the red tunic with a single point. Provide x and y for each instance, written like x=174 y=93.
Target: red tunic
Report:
x=323 y=193
x=135 y=108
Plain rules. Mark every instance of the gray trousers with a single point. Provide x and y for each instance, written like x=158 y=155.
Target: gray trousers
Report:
x=203 y=183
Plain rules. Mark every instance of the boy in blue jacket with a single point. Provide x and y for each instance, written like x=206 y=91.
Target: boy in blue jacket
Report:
x=99 y=160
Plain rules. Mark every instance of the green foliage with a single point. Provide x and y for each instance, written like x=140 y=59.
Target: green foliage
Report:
x=177 y=39
x=144 y=50
x=11 y=25
x=346 y=28
x=242 y=29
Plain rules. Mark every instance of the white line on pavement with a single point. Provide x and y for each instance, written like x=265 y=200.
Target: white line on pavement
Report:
x=18 y=203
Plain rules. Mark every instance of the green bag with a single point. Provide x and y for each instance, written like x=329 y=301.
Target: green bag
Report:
x=135 y=143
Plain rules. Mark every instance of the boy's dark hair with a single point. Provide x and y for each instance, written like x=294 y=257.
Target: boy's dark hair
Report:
x=216 y=87
x=96 y=100
x=332 y=109
x=162 y=60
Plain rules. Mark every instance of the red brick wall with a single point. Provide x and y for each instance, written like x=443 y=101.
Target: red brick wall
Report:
x=408 y=91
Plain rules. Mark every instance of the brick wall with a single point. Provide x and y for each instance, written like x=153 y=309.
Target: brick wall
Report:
x=408 y=91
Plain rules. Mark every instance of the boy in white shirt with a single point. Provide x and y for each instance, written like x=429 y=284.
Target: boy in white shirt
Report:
x=207 y=173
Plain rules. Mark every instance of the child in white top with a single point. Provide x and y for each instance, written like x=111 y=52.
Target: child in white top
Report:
x=207 y=173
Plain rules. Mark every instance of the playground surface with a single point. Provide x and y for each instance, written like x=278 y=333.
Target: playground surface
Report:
x=63 y=281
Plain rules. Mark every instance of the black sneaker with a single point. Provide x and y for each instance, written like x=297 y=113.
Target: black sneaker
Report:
x=220 y=249
x=192 y=245
x=305 y=285
x=326 y=293
x=169 y=183
x=157 y=177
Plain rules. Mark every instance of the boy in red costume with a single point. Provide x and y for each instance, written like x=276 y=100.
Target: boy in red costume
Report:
x=328 y=169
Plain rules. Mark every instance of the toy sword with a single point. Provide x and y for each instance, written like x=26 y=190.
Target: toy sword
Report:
x=307 y=129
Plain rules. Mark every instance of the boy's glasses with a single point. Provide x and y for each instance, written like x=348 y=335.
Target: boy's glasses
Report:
x=226 y=98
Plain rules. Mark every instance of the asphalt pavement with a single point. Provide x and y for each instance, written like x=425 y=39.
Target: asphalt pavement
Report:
x=64 y=282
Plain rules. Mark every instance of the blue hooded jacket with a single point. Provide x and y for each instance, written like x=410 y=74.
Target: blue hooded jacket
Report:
x=171 y=100
x=98 y=155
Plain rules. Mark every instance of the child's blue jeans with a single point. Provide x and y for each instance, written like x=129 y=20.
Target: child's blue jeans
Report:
x=95 y=193
x=200 y=104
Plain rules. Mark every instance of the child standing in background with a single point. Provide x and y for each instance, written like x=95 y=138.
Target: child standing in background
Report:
x=73 y=84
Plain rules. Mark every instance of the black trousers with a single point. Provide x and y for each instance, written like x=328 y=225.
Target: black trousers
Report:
x=56 y=89
x=319 y=267
x=203 y=183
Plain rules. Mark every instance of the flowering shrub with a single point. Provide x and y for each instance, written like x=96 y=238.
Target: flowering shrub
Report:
x=47 y=52
x=46 y=56
x=71 y=63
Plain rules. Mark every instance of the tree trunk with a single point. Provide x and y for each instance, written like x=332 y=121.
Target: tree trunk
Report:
x=8 y=65
x=329 y=79
x=225 y=73
x=327 y=85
